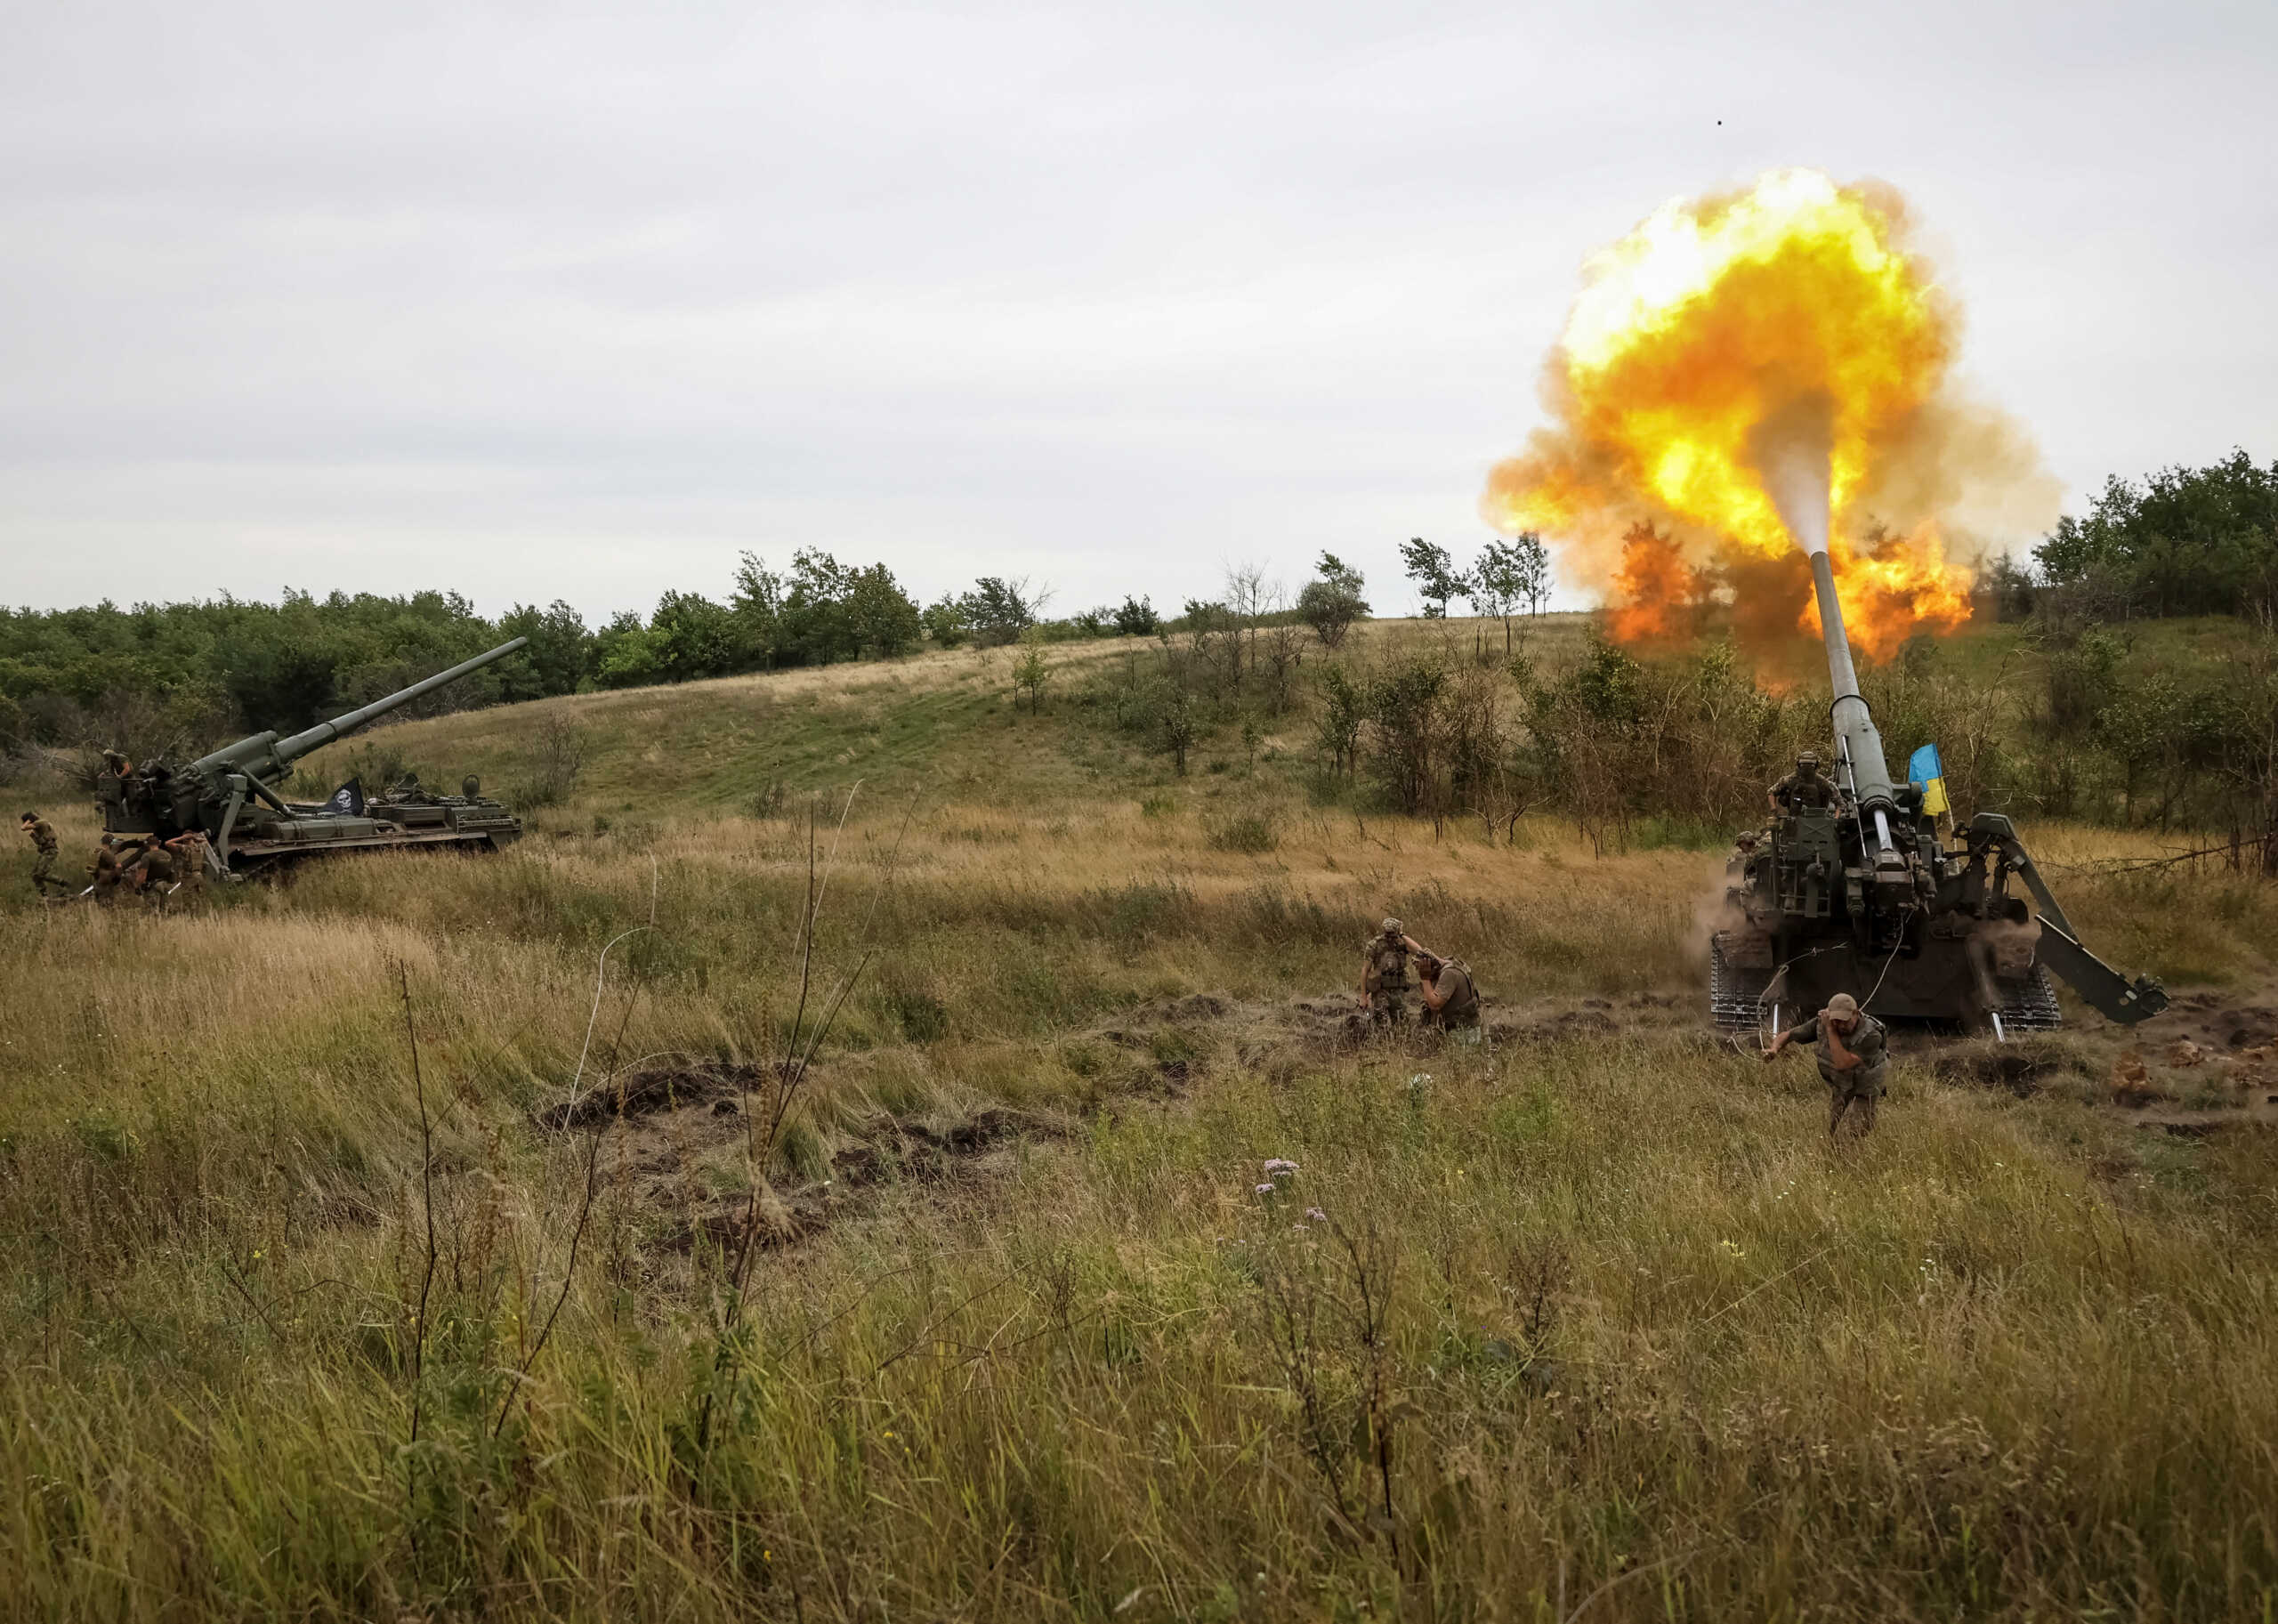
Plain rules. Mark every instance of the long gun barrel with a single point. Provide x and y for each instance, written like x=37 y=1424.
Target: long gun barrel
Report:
x=1862 y=746
x=267 y=757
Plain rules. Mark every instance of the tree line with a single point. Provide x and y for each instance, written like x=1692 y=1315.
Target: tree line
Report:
x=171 y=677
x=2182 y=541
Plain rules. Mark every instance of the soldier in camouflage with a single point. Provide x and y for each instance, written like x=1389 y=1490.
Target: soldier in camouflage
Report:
x=104 y=872
x=151 y=873
x=41 y=835
x=1450 y=1001
x=189 y=858
x=1803 y=787
x=1384 y=975
x=1854 y=1058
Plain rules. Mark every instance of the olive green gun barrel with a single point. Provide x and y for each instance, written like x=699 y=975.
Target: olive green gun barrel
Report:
x=1855 y=723
x=266 y=757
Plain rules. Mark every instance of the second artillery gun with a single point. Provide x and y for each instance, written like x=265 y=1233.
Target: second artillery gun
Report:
x=1867 y=897
x=231 y=797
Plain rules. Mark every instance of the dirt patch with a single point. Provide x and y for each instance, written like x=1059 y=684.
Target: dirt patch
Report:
x=2022 y=1066
x=675 y=1137
x=666 y=1086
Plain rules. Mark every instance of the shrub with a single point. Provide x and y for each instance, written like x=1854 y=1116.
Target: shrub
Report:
x=1250 y=833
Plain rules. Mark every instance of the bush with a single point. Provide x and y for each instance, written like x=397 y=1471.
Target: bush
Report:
x=1252 y=834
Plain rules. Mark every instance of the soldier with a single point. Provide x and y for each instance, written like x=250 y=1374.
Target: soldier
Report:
x=37 y=830
x=1802 y=788
x=104 y=871
x=190 y=859
x=152 y=872
x=1449 y=999
x=1853 y=1054
x=1384 y=975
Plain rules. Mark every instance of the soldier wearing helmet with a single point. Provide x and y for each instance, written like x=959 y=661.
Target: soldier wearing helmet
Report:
x=1853 y=1054
x=1384 y=975
x=1803 y=787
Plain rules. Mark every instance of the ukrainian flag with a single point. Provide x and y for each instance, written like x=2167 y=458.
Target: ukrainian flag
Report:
x=1927 y=774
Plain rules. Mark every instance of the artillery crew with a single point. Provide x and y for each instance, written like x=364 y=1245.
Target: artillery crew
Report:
x=104 y=871
x=1384 y=975
x=45 y=847
x=1803 y=787
x=1450 y=1001
x=1854 y=1058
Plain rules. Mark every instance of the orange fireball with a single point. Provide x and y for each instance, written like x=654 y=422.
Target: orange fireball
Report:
x=1750 y=372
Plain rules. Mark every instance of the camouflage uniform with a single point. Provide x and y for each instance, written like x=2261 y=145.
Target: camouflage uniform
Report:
x=189 y=857
x=1460 y=1000
x=104 y=871
x=1868 y=1042
x=44 y=850
x=1800 y=789
x=153 y=871
x=1384 y=975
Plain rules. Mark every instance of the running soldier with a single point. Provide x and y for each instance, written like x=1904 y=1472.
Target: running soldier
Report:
x=44 y=846
x=1854 y=1058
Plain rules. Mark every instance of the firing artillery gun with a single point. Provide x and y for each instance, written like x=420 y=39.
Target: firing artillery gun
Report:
x=231 y=797
x=1865 y=897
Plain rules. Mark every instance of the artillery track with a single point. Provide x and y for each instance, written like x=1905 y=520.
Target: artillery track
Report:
x=1735 y=997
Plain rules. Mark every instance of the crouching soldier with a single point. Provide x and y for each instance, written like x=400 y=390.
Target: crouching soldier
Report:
x=1854 y=1055
x=104 y=872
x=152 y=873
x=1384 y=975
x=1450 y=1001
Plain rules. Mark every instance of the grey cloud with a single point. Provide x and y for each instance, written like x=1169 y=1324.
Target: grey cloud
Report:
x=537 y=302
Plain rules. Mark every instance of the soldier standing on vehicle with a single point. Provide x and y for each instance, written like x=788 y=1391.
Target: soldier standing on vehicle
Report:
x=1803 y=787
x=1450 y=1001
x=1384 y=975
x=1854 y=1057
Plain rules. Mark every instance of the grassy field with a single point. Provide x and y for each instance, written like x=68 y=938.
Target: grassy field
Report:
x=377 y=1247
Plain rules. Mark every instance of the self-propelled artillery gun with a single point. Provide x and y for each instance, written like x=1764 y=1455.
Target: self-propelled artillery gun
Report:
x=233 y=797
x=1870 y=895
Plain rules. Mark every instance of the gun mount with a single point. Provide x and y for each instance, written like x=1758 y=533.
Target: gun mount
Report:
x=1867 y=896
x=230 y=796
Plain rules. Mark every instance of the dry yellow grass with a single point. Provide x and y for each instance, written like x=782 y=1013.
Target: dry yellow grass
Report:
x=1637 y=1343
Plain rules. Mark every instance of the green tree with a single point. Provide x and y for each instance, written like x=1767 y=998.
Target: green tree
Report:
x=2187 y=541
x=944 y=622
x=1030 y=672
x=1510 y=576
x=1331 y=601
x=882 y=617
x=1137 y=617
x=997 y=610
x=757 y=603
x=1437 y=579
x=560 y=657
x=623 y=655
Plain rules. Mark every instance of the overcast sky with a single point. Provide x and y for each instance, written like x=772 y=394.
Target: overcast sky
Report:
x=577 y=302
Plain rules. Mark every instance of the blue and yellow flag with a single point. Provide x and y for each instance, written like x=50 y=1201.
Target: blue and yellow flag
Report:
x=1927 y=773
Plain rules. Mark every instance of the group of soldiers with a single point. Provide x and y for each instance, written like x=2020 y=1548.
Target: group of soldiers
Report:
x=1449 y=999
x=160 y=873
